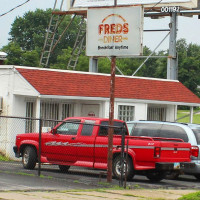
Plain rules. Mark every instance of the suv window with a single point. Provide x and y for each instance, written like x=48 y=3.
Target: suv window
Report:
x=103 y=131
x=197 y=135
x=146 y=129
x=169 y=131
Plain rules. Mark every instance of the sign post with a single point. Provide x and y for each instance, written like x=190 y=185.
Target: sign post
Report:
x=111 y=116
x=114 y=32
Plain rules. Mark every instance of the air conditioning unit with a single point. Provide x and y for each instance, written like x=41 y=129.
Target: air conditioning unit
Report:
x=1 y=104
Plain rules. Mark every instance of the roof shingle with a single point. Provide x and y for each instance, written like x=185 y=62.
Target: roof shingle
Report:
x=51 y=82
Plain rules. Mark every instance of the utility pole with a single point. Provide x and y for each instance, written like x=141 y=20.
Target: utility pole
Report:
x=172 y=62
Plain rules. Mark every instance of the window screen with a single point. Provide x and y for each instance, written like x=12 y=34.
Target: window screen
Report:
x=156 y=113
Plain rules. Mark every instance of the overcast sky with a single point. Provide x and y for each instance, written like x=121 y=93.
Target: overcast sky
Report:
x=188 y=27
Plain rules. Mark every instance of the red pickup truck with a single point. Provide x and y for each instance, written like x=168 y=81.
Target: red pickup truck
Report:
x=83 y=141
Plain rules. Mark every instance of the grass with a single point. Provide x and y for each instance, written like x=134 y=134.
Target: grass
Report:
x=182 y=113
x=191 y=196
x=4 y=158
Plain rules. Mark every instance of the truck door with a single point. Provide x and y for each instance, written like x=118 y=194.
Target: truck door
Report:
x=101 y=143
x=60 y=146
x=85 y=143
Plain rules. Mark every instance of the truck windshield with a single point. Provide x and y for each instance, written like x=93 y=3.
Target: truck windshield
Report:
x=103 y=131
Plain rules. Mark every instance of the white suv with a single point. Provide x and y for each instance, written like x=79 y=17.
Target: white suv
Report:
x=188 y=132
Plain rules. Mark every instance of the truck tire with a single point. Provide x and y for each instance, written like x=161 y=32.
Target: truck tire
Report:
x=156 y=176
x=64 y=168
x=197 y=176
x=29 y=158
x=117 y=168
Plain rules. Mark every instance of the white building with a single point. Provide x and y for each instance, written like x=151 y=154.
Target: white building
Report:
x=57 y=94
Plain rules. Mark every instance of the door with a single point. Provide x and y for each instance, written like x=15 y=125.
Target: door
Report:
x=61 y=146
x=86 y=143
x=90 y=110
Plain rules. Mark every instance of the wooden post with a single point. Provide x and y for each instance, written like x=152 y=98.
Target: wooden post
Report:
x=111 y=117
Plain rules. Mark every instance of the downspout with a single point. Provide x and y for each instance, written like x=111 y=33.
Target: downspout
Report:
x=191 y=114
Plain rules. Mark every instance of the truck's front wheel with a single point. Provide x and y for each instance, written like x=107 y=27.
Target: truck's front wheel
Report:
x=29 y=158
x=117 y=168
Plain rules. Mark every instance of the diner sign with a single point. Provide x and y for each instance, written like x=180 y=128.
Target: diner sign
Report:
x=114 y=31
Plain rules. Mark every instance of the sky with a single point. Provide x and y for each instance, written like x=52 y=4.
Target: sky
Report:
x=188 y=27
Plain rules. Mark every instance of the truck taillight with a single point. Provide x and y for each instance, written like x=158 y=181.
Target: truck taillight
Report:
x=157 y=151
x=194 y=151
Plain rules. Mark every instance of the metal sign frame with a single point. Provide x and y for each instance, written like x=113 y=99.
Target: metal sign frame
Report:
x=84 y=4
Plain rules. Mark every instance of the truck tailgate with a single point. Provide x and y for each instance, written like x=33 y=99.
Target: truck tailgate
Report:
x=175 y=151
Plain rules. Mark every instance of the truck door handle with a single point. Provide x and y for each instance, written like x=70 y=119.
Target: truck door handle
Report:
x=73 y=138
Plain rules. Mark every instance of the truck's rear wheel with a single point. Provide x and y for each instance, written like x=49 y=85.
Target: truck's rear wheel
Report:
x=117 y=168
x=29 y=158
x=64 y=168
x=197 y=176
x=156 y=176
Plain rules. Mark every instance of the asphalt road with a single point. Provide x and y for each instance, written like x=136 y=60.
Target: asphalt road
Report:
x=14 y=177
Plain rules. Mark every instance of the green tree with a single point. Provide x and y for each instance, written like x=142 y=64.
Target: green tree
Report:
x=14 y=54
x=189 y=65
x=28 y=33
x=30 y=58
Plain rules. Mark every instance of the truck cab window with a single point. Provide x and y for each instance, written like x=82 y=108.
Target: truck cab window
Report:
x=68 y=128
x=87 y=128
x=103 y=131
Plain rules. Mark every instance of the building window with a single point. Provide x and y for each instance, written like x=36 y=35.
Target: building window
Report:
x=49 y=111
x=55 y=111
x=126 y=113
x=156 y=113
x=29 y=113
x=67 y=110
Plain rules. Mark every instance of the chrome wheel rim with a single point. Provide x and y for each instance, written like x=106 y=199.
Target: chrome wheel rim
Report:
x=118 y=168
x=25 y=157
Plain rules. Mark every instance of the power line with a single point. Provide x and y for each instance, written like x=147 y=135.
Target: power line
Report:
x=14 y=8
x=153 y=6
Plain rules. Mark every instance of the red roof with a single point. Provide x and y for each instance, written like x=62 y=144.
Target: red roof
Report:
x=64 y=83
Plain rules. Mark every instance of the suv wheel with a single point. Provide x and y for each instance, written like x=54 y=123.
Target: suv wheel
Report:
x=156 y=176
x=172 y=175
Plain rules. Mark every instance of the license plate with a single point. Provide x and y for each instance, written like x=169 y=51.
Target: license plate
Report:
x=177 y=166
